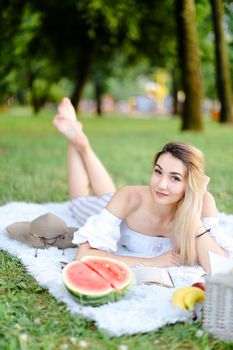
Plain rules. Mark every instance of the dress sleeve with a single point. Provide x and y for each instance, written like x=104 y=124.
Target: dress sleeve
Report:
x=101 y=231
x=222 y=239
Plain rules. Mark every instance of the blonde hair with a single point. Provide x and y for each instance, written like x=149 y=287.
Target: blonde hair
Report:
x=188 y=211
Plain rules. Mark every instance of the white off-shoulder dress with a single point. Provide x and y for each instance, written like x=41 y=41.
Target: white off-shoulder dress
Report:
x=105 y=231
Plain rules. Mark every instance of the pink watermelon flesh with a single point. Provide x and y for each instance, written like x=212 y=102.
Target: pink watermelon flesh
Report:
x=116 y=274
x=81 y=276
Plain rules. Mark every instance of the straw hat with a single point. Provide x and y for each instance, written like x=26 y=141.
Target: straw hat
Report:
x=46 y=231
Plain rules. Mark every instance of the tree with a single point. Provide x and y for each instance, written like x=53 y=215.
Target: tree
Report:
x=84 y=34
x=228 y=7
x=95 y=32
x=157 y=40
x=190 y=65
x=10 y=19
x=82 y=40
x=223 y=77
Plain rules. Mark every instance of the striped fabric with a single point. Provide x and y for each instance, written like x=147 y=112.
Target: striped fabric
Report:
x=84 y=206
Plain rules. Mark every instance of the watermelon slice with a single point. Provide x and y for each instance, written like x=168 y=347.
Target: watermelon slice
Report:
x=97 y=280
x=115 y=273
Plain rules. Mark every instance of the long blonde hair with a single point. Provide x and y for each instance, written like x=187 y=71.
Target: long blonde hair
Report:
x=188 y=211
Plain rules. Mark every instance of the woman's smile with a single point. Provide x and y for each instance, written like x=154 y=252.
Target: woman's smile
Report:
x=161 y=194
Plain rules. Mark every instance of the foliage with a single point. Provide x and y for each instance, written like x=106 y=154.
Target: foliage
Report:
x=206 y=45
x=223 y=78
x=228 y=5
x=29 y=72
x=99 y=33
x=46 y=43
x=10 y=17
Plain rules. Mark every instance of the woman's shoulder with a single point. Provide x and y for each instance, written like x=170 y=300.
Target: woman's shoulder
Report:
x=127 y=199
x=209 y=208
x=136 y=192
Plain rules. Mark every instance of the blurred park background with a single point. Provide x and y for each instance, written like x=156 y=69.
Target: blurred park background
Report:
x=125 y=57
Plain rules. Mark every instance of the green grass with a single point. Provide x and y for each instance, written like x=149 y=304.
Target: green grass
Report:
x=33 y=168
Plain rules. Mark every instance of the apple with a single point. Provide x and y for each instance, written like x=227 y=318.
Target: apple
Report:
x=200 y=285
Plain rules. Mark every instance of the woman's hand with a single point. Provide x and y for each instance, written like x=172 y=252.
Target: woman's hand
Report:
x=168 y=259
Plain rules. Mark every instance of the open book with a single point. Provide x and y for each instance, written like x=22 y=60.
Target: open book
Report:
x=153 y=275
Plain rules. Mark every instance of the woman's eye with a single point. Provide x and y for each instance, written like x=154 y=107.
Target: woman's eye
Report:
x=157 y=171
x=175 y=178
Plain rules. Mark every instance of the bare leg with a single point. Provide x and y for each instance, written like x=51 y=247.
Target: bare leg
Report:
x=100 y=180
x=78 y=180
x=84 y=167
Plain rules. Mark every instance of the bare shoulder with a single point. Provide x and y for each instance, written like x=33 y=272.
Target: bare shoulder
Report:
x=209 y=206
x=126 y=200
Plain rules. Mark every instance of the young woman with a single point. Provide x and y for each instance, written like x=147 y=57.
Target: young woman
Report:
x=170 y=222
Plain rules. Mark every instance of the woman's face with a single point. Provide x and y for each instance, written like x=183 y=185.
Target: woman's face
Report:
x=168 y=180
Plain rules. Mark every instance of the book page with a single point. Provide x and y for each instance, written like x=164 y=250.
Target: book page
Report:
x=153 y=275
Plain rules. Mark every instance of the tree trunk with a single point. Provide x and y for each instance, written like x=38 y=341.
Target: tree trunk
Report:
x=223 y=79
x=82 y=74
x=175 y=107
x=80 y=83
x=98 y=92
x=34 y=100
x=190 y=65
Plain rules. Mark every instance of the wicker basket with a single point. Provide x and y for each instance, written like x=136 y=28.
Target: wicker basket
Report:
x=218 y=306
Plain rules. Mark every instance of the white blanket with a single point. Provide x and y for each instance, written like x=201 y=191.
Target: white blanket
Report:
x=143 y=309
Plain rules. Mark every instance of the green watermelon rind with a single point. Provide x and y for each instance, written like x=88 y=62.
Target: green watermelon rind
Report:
x=110 y=298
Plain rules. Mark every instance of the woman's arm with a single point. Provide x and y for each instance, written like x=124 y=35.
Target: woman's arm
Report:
x=165 y=260
x=124 y=202
x=209 y=208
x=205 y=243
x=102 y=230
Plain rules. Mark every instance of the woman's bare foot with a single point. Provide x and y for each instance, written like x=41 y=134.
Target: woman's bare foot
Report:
x=68 y=125
x=72 y=130
x=66 y=109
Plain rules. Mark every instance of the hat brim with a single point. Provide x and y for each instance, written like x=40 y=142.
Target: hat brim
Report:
x=21 y=232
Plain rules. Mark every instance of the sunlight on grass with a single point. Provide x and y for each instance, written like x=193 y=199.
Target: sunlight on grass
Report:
x=33 y=169
x=33 y=164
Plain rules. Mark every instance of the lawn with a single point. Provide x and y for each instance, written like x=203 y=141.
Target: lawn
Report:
x=33 y=169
